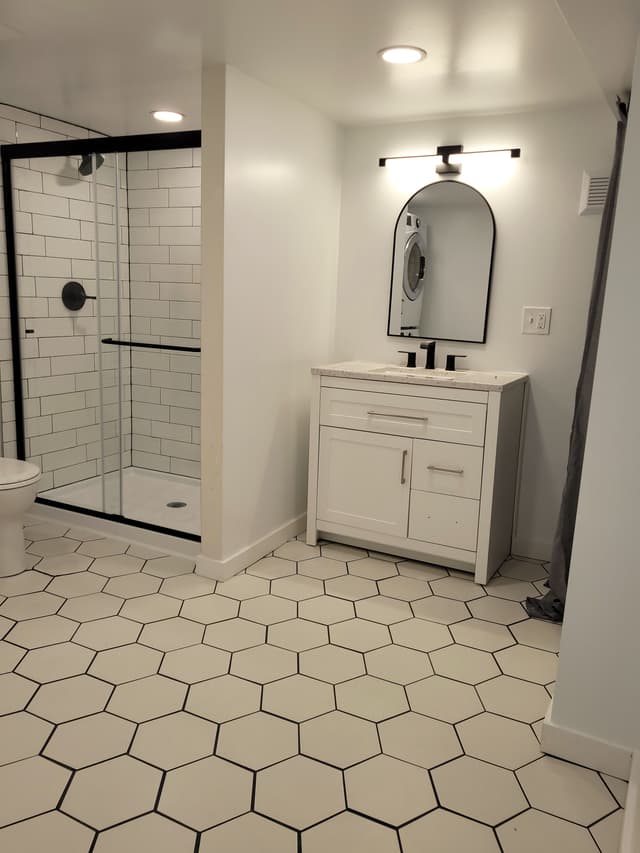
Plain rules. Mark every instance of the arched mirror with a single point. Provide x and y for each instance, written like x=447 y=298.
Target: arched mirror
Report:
x=442 y=258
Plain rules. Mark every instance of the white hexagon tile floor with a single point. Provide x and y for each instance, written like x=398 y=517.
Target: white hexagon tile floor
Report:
x=325 y=699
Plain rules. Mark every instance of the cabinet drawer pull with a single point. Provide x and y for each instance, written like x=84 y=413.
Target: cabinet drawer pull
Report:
x=403 y=478
x=446 y=470
x=402 y=417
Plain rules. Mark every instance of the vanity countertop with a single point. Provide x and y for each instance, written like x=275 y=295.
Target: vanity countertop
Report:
x=474 y=380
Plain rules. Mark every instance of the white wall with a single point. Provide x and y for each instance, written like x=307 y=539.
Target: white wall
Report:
x=544 y=256
x=598 y=688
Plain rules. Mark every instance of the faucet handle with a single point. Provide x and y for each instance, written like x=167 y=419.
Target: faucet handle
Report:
x=411 y=357
x=451 y=361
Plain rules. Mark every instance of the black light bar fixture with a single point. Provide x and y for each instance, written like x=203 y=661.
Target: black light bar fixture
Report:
x=445 y=152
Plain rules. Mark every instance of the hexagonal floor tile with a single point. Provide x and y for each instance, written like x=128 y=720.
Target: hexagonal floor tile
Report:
x=79 y=583
x=38 y=833
x=405 y=589
x=147 y=698
x=323 y=568
x=174 y=740
x=360 y=635
x=510 y=588
x=389 y=790
x=169 y=634
x=339 y=739
x=527 y=663
x=23 y=583
x=243 y=586
x=523 y=570
x=419 y=740
x=112 y=792
x=498 y=740
x=150 y=608
x=168 y=567
x=257 y=741
x=283 y=792
x=479 y=634
x=22 y=736
x=448 y=833
x=297 y=635
x=97 y=605
x=271 y=568
x=30 y=787
x=348 y=832
x=464 y=664
x=15 y=692
x=206 y=793
x=421 y=635
x=444 y=699
x=608 y=832
x=132 y=586
x=539 y=634
x=51 y=663
x=618 y=788
x=523 y=834
x=196 y=663
x=149 y=832
x=331 y=664
x=461 y=589
x=44 y=631
x=125 y=663
x=295 y=550
x=44 y=530
x=326 y=610
x=188 y=586
x=498 y=610
x=512 y=697
x=268 y=609
x=297 y=587
x=89 y=740
x=351 y=588
x=446 y=611
x=384 y=610
x=31 y=605
x=10 y=656
x=298 y=698
x=235 y=634
x=372 y=569
x=371 y=698
x=102 y=548
x=398 y=664
x=263 y=664
x=224 y=698
x=120 y=564
x=478 y=790
x=70 y=698
x=566 y=790
x=249 y=832
x=53 y=547
x=107 y=633
x=209 y=609
x=342 y=552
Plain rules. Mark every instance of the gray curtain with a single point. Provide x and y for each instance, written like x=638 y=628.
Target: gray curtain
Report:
x=551 y=605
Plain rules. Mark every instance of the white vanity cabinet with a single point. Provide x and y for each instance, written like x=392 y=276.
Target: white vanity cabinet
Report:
x=417 y=463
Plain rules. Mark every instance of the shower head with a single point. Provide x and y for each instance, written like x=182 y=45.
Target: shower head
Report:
x=86 y=164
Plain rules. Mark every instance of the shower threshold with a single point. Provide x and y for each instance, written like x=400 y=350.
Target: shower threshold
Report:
x=145 y=497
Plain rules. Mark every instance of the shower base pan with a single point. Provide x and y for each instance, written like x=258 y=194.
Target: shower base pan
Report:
x=145 y=497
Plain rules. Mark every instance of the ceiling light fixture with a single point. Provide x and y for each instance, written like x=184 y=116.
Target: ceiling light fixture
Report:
x=445 y=151
x=402 y=54
x=167 y=115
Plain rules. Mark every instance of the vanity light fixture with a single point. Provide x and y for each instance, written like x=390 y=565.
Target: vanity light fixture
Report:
x=167 y=115
x=445 y=151
x=402 y=54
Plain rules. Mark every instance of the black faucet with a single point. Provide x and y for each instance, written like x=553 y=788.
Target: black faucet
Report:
x=430 y=362
x=411 y=357
x=451 y=361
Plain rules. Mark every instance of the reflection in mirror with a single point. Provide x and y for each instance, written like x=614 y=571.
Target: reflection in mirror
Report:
x=443 y=250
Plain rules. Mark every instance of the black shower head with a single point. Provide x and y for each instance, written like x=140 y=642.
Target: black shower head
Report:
x=86 y=164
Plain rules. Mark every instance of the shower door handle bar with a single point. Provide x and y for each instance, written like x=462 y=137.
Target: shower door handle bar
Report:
x=118 y=343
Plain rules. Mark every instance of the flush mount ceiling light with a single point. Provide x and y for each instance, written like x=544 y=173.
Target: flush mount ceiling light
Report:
x=402 y=54
x=167 y=115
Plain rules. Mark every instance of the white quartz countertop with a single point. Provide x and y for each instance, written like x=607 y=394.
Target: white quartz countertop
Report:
x=475 y=380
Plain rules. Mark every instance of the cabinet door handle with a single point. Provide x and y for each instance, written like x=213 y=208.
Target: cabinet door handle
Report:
x=446 y=470
x=403 y=478
x=403 y=417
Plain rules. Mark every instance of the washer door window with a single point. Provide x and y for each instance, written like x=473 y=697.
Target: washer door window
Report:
x=414 y=264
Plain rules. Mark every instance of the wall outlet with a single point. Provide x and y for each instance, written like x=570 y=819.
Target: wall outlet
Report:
x=536 y=321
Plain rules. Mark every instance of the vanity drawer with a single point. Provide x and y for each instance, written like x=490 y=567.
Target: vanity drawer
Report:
x=449 y=469
x=444 y=520
x=394 y=414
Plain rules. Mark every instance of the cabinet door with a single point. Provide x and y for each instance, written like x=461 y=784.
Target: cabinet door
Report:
x=364 y=480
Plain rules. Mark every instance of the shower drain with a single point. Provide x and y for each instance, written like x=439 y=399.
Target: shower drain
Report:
x=176 y=504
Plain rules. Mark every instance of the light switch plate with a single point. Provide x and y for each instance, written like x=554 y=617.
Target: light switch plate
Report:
x=536 y=321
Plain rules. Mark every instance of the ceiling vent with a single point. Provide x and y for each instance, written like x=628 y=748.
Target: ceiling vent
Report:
x=593 y=194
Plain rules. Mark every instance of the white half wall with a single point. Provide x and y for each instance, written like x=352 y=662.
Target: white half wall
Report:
x=544 y=256
x=598 y=688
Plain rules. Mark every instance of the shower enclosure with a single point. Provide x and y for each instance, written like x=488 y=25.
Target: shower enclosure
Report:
x=103 y=246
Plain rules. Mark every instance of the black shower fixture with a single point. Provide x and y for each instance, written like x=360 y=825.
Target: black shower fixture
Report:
x=86 y=164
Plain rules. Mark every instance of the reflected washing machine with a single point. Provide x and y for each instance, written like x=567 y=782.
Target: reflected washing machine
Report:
x=413 y=275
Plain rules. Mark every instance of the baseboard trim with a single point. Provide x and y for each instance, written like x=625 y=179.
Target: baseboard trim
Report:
x=630 y=840
x=222 y=570
x=581 y=749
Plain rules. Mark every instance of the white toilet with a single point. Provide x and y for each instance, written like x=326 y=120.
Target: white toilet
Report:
x=18 y=489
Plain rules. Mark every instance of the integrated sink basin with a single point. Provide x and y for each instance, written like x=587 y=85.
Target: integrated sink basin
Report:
x=438 y=373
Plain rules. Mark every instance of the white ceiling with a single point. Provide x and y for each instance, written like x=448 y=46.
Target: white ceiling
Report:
x=107 y=63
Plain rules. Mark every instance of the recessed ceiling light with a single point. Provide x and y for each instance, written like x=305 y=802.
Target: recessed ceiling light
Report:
x=402 y=54
x=167 y=115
